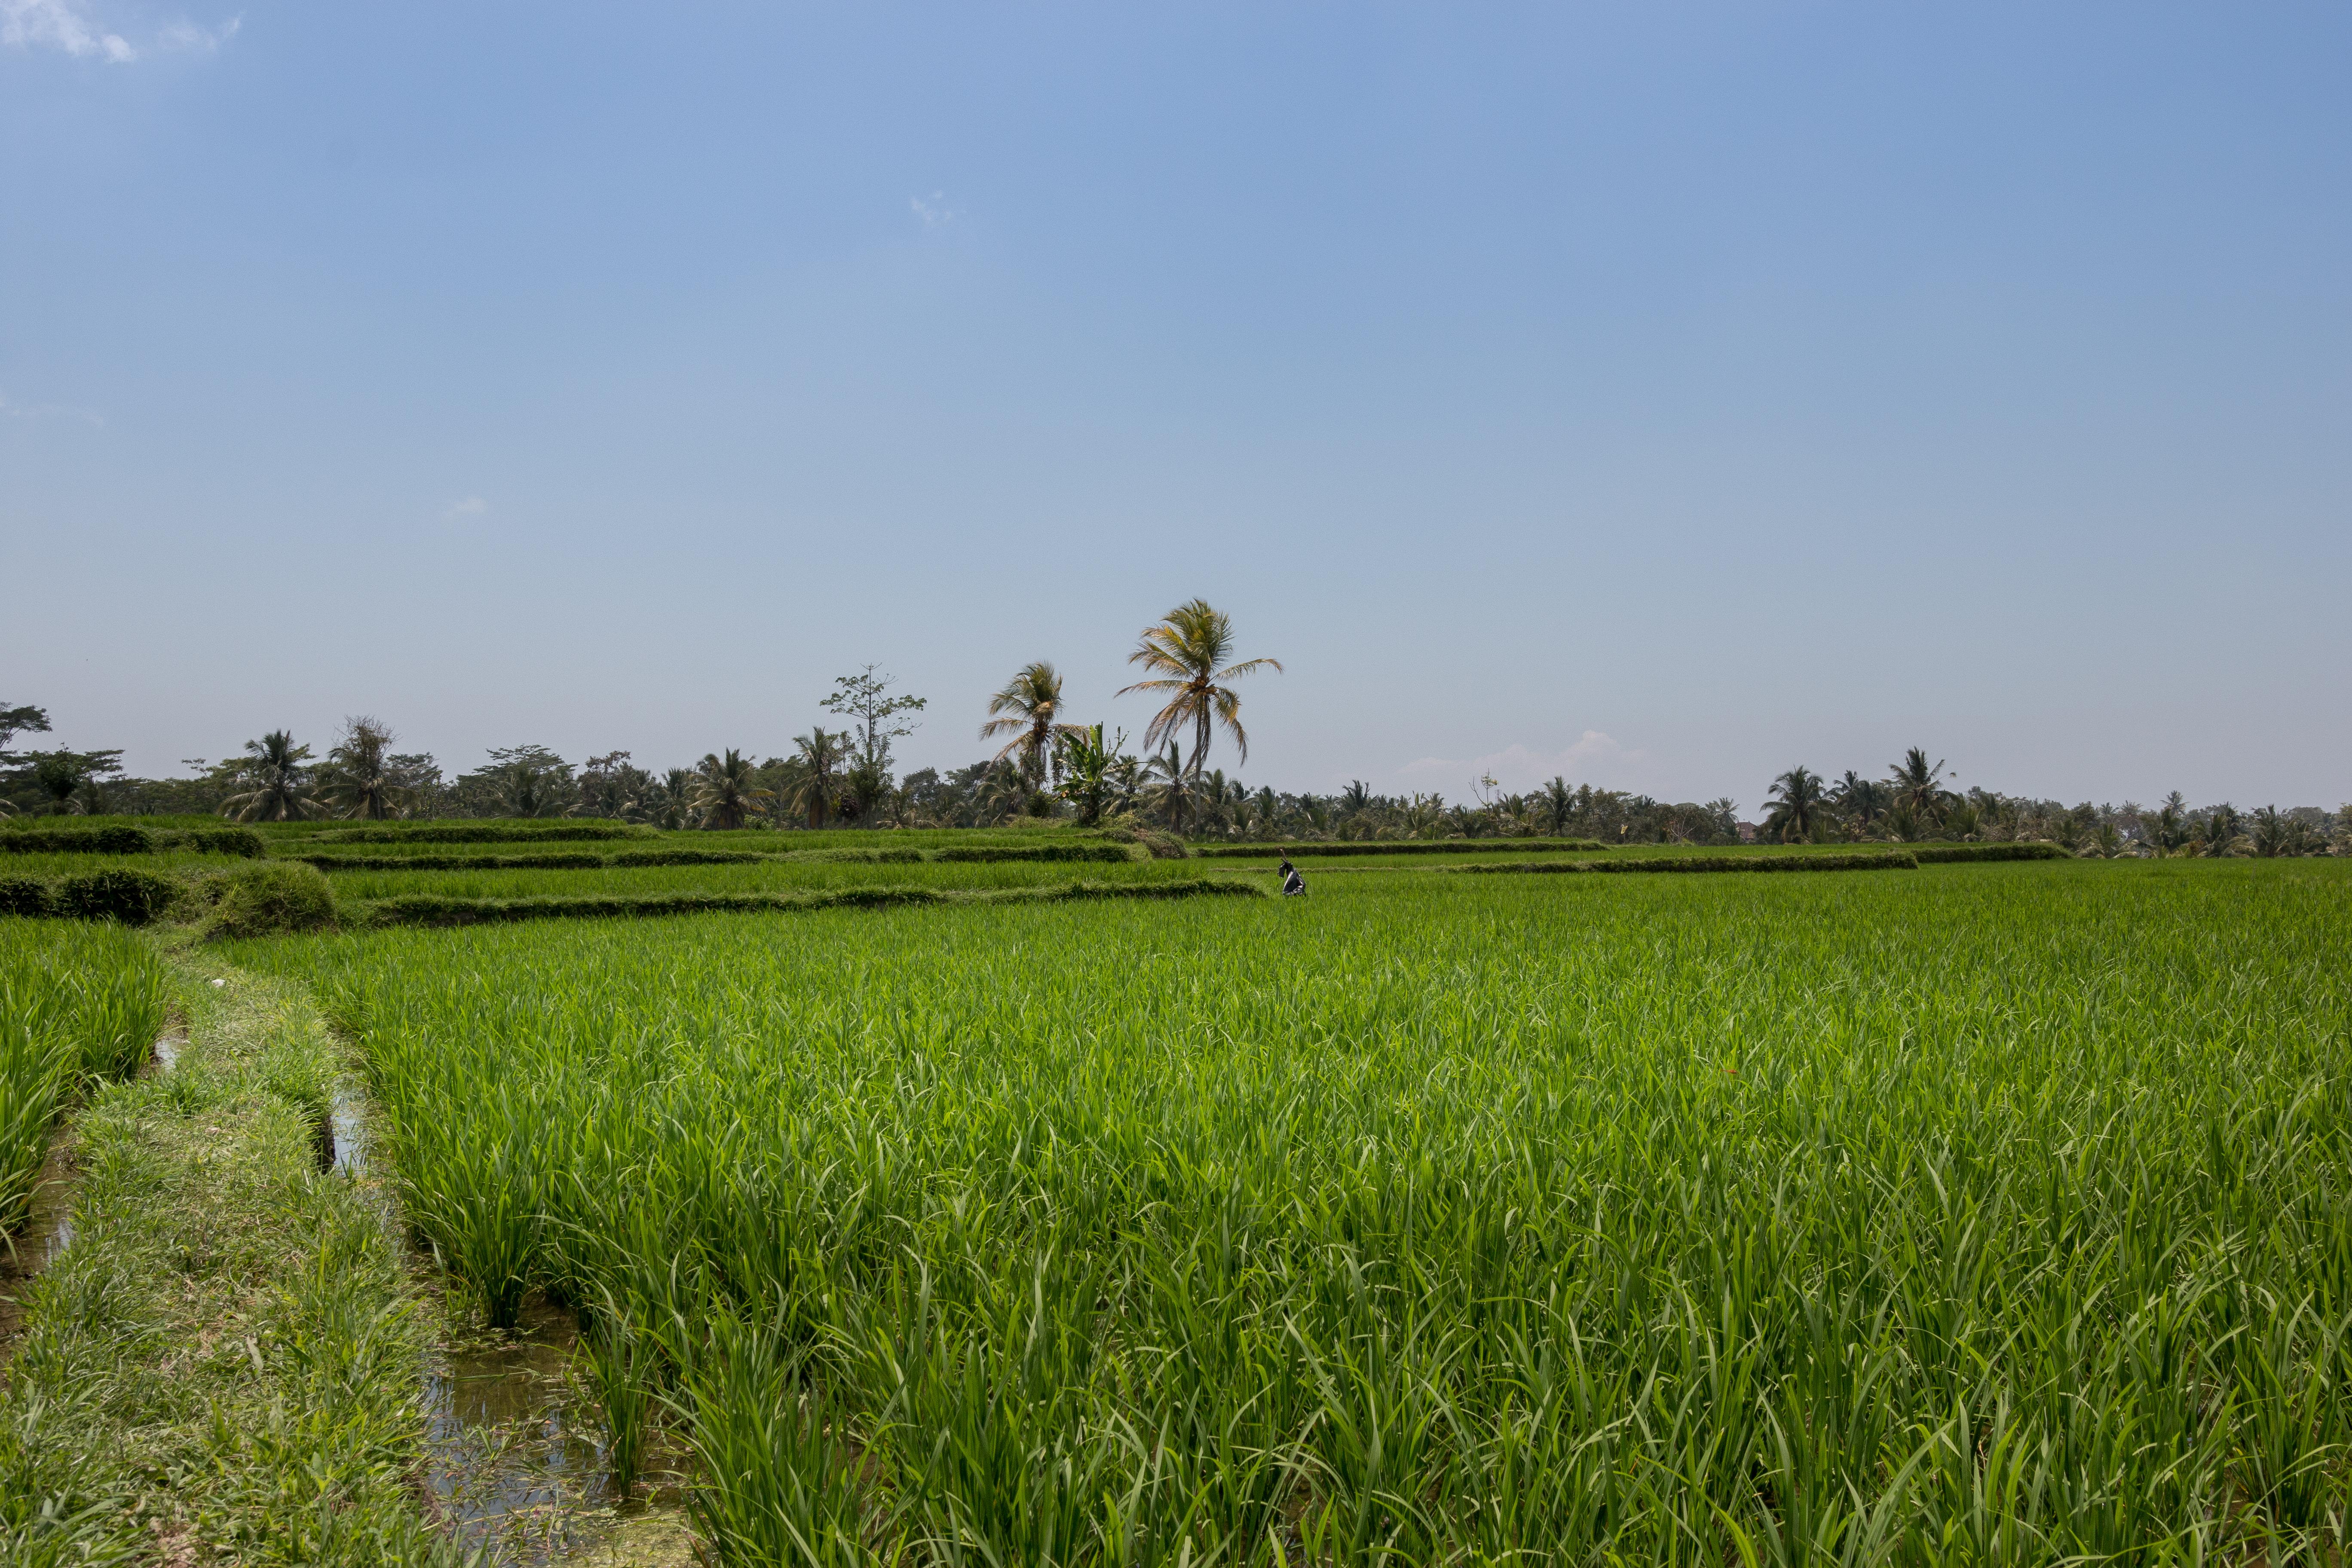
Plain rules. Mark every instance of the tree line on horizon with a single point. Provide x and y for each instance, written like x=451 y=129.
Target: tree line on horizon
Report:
x=1048 y=767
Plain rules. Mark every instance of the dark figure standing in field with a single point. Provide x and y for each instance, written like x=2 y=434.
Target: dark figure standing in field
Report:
x=1294 y=886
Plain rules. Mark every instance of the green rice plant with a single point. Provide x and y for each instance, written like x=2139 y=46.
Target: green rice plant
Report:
x=1877 y=861
x=1401 y=848
x=777 y=1480
x=616 y=1364
x=78 y=1005
x=36 y=1066
x=2003 y=1215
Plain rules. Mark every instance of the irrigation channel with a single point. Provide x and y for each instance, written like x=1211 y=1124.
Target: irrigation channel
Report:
x=511 y=1464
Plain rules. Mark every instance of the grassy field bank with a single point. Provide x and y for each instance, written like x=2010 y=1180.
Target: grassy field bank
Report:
x=1985 y=1213
x=223 y=1365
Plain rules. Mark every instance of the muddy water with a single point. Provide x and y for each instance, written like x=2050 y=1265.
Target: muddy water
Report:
x=346 y=1134
x=49 y=1231
x=514 y=1464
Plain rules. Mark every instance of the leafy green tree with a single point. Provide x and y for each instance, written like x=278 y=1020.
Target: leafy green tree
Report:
x=18 y=718
x=520 y=781
x=724 y=789
x=865 y=785
x=1087 y=769
x=275 y=773
x=1029 y=710
x=1798 y=798
x=359 y=776
x=611 y=787
x=1187 y=653
x=68 y=781
x=878 y=717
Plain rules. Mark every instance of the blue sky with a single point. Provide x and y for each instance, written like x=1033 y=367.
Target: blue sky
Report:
x=1661 y=396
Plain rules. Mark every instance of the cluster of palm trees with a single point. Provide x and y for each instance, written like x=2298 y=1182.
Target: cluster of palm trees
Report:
x=1915 y=802
x=1188 y=656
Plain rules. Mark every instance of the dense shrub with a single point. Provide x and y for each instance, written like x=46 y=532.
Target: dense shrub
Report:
x=550 y=861
x=853 y=856
x=1320 y=849
x=27 y=896
x=128 y=839
x=236 y=841
x=1882 y=860
x=990 y=852
x=134 y=898
x=520 y=831
x=433 y=909
x=1943 y=854
x=116 y=839
x=275 y=896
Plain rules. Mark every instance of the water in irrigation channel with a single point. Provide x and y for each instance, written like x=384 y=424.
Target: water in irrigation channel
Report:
x=514 y=1463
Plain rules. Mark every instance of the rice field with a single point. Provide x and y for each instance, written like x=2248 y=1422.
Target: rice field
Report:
x=79 y=1004
x=1971 y=1213
x=758 y=877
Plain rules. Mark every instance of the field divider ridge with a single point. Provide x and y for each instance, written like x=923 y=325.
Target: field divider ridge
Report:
x=432 y=908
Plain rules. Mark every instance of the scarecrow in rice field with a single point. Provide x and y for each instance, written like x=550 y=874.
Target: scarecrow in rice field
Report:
x=1294 y=886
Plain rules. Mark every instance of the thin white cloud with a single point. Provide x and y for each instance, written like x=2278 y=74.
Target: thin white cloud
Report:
x=189 y=38
x=70 y=26
x=932 y=209
x=59 y=25
x=1595 y=758
x=10 y=409
x=472 y=506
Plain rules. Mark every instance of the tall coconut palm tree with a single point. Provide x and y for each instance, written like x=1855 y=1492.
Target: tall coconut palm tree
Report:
x=1920 y=786
x=1187 y=653
x=359 y=776
x=816 y=783
x=1029 y=710
x=275 y=775
x=1003 y=792
x=1167 y=787
x=1557 y=806
x=724 y=789
x=1797 y=801
x=2168 y=829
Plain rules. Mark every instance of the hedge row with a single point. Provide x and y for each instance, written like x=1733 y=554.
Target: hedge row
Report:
x=126 y=839
x=134 y=898
x=553 y=860
x=479 y=833
x=433 y=909
x=589 y=859
x=1100 y=853
x=1944 y=854
x=1398 y=847
x=1884 y=860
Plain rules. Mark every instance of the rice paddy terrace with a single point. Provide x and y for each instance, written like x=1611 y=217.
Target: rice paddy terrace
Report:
x=1023 y=1199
